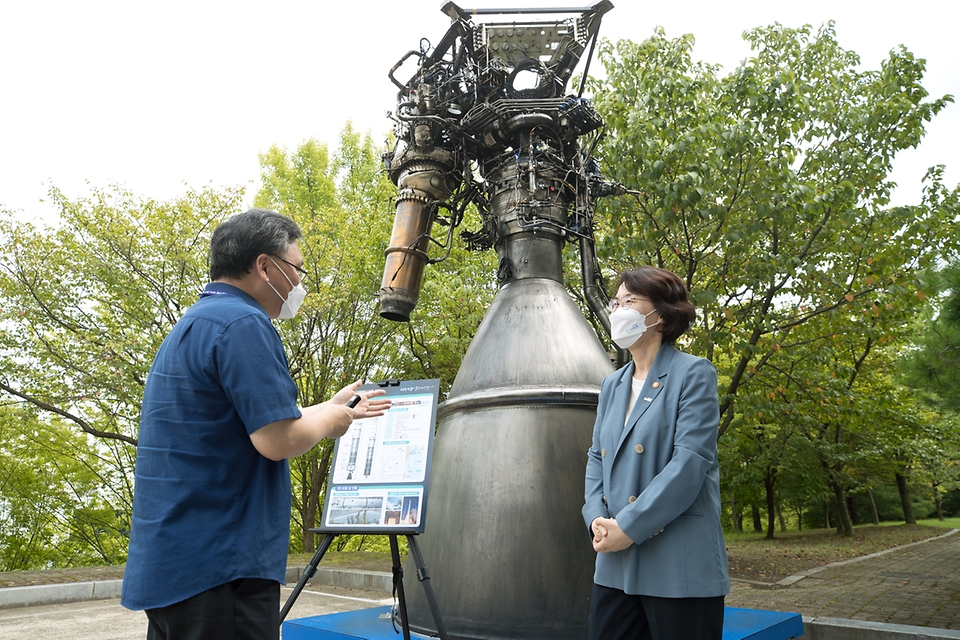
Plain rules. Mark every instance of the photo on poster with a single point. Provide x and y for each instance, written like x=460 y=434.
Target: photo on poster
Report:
x=358 y=507
x=411 y=510
x=393 y=511
x=356 y=510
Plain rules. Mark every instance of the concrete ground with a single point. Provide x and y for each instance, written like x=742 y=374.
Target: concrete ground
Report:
x=107 y=620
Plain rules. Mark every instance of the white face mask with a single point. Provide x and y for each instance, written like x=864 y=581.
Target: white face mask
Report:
x=291 y=304
x=627 y=325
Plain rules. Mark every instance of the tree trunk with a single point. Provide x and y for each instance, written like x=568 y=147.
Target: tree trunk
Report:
x=783 y=521
x=768 y=484
x=852 y=510
x=308 y=516
x=757 y=522
x=873 y=504
x=826 y=514
x=736 y=514
x=938 y=501
x=905 y=503
x=844 y=525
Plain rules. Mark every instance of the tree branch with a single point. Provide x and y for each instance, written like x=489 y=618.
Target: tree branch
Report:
x=83 y=424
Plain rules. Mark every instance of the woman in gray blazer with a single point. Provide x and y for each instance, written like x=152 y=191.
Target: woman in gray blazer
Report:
x=652 y=491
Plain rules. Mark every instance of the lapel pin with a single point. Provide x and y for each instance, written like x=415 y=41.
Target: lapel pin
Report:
x=649 y=399
x=656 y=385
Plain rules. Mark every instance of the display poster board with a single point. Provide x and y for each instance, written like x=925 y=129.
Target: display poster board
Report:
x=380 y=474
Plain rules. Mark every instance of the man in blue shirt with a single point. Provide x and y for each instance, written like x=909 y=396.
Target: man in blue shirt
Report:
x=211 y=508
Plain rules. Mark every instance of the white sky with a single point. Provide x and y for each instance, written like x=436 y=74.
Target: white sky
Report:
x=162 y=97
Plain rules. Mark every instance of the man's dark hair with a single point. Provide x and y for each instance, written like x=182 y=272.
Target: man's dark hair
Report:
x=667 y=293
x=238 y=240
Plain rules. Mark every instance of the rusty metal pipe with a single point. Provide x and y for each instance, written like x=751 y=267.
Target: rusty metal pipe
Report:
x=406 y=258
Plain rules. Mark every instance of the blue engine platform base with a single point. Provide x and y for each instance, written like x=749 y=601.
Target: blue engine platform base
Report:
x=374 y=624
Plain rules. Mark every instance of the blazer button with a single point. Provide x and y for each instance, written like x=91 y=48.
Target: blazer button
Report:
x=603 y=453
x=632 y=499
x=638 y=448
x=604 y=499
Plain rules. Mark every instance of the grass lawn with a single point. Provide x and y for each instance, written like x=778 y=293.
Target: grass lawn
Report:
x=948 y=523
x=361 y=560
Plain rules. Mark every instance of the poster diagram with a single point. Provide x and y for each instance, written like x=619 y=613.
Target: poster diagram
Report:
x=381 y=466
x=391 y=448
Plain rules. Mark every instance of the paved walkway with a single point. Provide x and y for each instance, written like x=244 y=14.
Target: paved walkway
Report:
x=914 y=585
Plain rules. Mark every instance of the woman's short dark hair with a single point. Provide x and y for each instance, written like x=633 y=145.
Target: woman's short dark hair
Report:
x=667 y=293
x=238 y=240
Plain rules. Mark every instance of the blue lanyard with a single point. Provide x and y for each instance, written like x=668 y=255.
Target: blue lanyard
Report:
x=207 y=294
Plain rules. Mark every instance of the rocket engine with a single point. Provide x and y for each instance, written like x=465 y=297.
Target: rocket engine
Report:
x=487 y=120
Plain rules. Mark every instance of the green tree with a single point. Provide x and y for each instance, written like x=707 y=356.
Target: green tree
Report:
x=55 y=497
x=931 y=365
x=338 y=336
x=937 y=452
x=767 y=191
x=86 y=305
x=934 y=362
x=919 y=446
x=341 y=202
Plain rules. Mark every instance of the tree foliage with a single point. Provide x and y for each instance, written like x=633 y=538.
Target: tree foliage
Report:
x=56 y=499
x=934 y=363
x=338 y=336
x=86 y=305
x=931 y=365
x=767 y=190
x=344 y=204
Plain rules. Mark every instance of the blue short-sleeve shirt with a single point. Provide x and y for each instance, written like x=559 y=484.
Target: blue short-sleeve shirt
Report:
x=207 y=507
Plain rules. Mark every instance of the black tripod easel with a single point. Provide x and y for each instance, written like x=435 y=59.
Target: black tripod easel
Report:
x=422 y=576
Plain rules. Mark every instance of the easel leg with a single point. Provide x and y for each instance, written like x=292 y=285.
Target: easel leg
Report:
x=308 y=573
x=398 y=587
x=424 y=579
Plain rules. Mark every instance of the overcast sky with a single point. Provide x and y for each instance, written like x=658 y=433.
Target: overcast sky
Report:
x=164 y=96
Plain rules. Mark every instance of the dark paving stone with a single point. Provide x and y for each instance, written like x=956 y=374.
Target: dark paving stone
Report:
x=918 y=585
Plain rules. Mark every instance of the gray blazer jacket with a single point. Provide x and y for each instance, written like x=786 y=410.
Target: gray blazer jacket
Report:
x=659 y=477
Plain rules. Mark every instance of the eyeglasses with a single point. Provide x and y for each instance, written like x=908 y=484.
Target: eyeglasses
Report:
x=303 y=272
x=626 y=302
